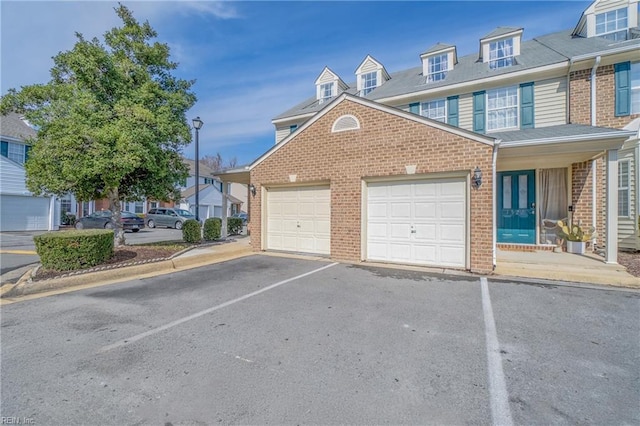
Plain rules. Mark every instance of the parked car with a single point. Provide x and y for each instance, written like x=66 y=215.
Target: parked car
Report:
x=242 y=216
x=104 y=219
x=170 y=217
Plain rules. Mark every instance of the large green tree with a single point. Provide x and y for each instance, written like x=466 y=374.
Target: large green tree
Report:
x=111 y=121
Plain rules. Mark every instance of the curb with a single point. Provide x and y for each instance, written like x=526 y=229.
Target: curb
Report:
x=26 y=286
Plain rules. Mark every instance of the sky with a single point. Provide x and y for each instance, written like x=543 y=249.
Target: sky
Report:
x=253 y=60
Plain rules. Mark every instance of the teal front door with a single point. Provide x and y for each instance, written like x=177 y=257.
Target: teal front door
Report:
x=516 y=207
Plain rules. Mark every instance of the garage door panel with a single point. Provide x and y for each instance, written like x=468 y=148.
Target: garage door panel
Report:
x=298 y=219
x=26 y=213
x=434 y=209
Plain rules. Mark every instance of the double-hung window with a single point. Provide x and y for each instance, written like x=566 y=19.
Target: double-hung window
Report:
x=15 y=152
x=623 y=187
x=437 y=68
x=612 y=25
x=501 y=53
x=635 y=87
x=369 y=82
x=436 y=110
x=326 y=92
x=502 y=108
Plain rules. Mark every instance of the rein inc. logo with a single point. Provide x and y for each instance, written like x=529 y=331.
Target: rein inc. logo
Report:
x=17 y=421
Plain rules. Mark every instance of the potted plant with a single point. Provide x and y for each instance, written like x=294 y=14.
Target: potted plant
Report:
x=575 y=236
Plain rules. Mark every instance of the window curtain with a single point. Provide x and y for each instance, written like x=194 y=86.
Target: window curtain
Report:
x=553 y=202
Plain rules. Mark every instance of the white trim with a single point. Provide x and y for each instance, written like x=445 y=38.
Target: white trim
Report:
x=611 y=220
x=342 y=117
x=487 y=140
x=293 y=118
x=627 y=187
x=577 y=138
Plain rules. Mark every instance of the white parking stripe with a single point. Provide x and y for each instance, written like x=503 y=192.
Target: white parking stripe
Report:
x=500 y=411
x=157 y=330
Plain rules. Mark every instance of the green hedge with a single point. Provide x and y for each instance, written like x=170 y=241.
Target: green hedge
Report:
x=234 y=225
x=212 y=228
x=71 y=250
x=191 y=231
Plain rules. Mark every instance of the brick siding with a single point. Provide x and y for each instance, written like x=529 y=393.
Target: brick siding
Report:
x=383 y=145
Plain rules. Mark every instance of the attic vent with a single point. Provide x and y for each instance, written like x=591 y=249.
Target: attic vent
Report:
x=344 y=123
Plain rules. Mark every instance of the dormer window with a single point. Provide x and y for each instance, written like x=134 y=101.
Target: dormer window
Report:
x=501 y=53
x=328 y=85
x=369 y=75
x=438 y=67
x=369 y=82
x=612 y=25
x=501 y=47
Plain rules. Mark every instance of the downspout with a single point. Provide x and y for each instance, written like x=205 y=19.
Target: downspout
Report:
x=494 y=184
x=568 y=100
x=594 y=190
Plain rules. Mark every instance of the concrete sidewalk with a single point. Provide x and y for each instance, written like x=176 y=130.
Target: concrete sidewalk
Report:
x=587 y=268
x=193 y=258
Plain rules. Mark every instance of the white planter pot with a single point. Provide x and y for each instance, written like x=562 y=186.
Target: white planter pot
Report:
x=576 y=247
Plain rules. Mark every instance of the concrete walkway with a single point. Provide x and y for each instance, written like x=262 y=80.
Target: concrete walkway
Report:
x=588 y=268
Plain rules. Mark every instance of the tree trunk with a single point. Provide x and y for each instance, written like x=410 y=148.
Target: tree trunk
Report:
x=114 y=206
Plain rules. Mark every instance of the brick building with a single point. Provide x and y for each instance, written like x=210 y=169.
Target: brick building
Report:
x=443 y=163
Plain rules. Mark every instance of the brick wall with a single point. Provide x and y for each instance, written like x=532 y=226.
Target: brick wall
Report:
x=383 y=145
x=580 y=98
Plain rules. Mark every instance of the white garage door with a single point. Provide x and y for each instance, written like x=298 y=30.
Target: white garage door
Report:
x=24 y=213
x=421 y=222
x=299 y=219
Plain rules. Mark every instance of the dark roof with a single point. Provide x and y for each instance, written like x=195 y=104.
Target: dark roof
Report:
x=560 y=131
x=204 y=169
x=501 y=31
x=189 y=192
x=12 y=125
x=437 y=47
x=541 y=51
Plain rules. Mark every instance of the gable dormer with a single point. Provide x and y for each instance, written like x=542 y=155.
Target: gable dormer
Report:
x=369 y=75
x=500 y=47
x=328 y=85
x=611 y=19
x=437 y=61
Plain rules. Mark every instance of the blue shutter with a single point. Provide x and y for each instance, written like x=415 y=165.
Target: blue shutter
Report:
x=452 y=110
x=4 y=149
x=415 y=108
x=293 y=128
x=27 y=148
x=623 y=88
x=526 y=106
x=478 y=112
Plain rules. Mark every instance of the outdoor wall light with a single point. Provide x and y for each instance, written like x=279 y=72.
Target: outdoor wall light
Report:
x=252 y=188
x=476 y=180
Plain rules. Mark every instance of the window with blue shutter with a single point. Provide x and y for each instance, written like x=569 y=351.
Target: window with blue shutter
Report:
x=452 y=110
x=293 y=128
x=414 y=108
x=526 y=106
x=623 y=88
x=27 y=149
x=478 y=112
x=4 y=149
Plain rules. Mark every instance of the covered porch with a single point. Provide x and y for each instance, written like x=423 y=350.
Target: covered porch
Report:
x=563 y=173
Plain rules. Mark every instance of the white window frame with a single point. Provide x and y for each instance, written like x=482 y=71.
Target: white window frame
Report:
x=624 y=188
x=326 y=91
x=634 y=81
x=509 y=91
x=430 y=109
x=369 y=81
x=15 y=152
x=501 y=53
x=611 y=17
x=438 y=66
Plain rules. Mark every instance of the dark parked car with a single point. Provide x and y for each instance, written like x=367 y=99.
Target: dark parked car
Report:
x=167 y=216
x=104 y=219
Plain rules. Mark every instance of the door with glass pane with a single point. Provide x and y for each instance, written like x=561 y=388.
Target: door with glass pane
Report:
x=516 y=207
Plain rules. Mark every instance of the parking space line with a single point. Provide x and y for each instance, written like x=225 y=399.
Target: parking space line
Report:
x=172 y=324
x=500 y=411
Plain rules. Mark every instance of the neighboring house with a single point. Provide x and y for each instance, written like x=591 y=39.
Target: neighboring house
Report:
x=445 y=163
x=21 y=211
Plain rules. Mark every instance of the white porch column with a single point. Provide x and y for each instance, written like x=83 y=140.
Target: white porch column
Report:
x=611 y=255
x=225 y=202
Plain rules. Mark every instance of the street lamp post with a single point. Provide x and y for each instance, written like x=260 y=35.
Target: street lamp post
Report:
x=197 y=124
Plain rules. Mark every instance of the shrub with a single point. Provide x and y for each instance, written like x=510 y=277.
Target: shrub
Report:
x=191 y=231
x=234 y=225
x=212 y=228
x=71 y=250
x=68 y=219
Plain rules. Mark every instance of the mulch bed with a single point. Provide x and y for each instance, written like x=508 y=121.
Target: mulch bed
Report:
x=631 y=261
x=123 y=256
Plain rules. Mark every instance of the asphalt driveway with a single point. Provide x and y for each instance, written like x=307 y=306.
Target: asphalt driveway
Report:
x=270 y=340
